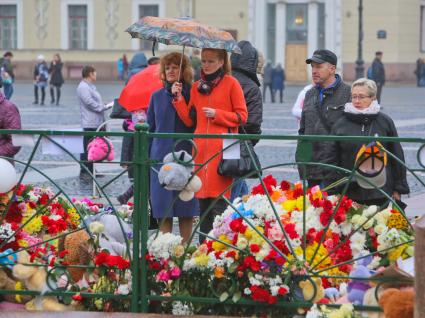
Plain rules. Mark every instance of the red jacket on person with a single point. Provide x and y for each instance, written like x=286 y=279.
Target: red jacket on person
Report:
x=9 y=119
x=228 y=100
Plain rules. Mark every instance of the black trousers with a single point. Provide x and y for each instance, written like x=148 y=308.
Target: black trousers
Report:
x=83 y=156
x=58 y=93
x=379 y=91
x=43 y=94
x=207 y=224
x=265 y=90
x=280 y=94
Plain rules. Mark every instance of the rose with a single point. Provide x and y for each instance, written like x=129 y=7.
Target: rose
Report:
x=275 y=233
x=163 y=276
x=96 y=227
x=175 y=272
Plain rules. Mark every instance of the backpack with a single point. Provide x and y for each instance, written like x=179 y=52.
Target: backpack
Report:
x=370 y=73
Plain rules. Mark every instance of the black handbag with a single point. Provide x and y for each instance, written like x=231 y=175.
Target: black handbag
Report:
x=119 y=112
x=237 y=168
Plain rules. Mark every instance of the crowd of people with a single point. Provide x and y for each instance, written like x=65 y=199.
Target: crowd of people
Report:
x=227 y=99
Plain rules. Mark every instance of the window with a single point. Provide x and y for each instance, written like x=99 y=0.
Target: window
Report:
x=271 y=32
x=422 y=28
x=321 y=26
x=77 y=18
x=148 y=10
x=8 y=27
x=296 y=23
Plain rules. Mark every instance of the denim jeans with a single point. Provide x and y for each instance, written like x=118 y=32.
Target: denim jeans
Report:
x=8 y=90
x=239 y=189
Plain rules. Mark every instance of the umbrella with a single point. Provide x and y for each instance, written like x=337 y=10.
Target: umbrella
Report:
x=137 y=93
x=183 y=31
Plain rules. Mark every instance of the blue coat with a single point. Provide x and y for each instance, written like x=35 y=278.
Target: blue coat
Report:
x=278 y=79
x=162 y=118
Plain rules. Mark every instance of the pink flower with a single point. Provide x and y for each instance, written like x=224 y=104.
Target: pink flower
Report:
x=163 y=276
x=22 y=207
x=175 y=272
x=275 y=233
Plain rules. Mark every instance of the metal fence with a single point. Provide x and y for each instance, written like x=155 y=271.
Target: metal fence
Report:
x=210 y=293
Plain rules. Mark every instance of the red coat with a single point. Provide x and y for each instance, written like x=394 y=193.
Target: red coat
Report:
x=9 y=119
x=228 y=99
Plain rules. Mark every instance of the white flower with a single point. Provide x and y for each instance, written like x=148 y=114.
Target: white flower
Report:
x=369 y=224
x=358 y=241
x=242 y=242
x=274 y=290
x=375 y=262
x=181 y=309
x=96 y=227
x=247 y=291
x=163 y=245
x=370 y=211
x=123 y=289
x=6 y=232
x=346 y=228
x=380 y=228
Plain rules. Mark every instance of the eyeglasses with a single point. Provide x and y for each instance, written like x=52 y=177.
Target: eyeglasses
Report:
x=359 y=97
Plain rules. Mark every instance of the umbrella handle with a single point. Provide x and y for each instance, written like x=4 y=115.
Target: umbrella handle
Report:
x=153 y=47
x=181 y=63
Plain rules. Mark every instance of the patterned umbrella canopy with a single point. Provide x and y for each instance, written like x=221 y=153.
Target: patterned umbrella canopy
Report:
x=184 y=32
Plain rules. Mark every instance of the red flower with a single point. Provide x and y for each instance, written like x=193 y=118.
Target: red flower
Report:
x=44 y=199
x=101 y=258
x=272 y=300
x=77 y=297
x=63 y=253
x=285 y=185
x=231 y=254
x=282 y=291
x=13 y=215
x=291 y=231
x=251 y=263
x=254 y=248
x=297 y=193
x=237 y=226
x=258 y=189
x=269 y=180
x=54 y=226
x=259 y=294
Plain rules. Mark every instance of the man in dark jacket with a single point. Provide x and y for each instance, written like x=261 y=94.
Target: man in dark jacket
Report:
x=244 y=69
x=323 y=106
x=267 y=80
x=9 y=119
x=378 y=74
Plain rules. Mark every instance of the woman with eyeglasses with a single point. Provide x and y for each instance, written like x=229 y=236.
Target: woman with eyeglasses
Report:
x=362 y=117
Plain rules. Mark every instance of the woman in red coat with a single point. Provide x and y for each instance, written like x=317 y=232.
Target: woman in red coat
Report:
x=218 y=101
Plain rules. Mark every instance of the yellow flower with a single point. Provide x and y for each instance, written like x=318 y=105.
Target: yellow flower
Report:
x=73 y=216
x=218 y=246
x=202 y=260
x=395 y=253
x=18 y=286
x=289 y=205
x=396 y=220
x=300 y=203
x=34 y=226
x=23 y=243
x=336 y=272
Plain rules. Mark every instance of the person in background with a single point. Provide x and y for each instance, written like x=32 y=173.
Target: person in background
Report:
x=362 y=117
x=422 y=73
x=267 y=81
x=7 y=74
x=56 y=79
x=278 y=81
x=323 y=106
x=137 y=63
x=419 y=64
x=216 y=106
x=92 y=111
x=9 y=119
x=125 y=66
x=41 y=75
x=299 y=103
x=196 y=64
x=120 y=69
x=244 y=69
x=162 y=118
x=378 y=74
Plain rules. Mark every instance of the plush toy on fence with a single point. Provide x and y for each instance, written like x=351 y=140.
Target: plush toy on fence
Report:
x=99 y=149
x=176 y=175
x=35 y=278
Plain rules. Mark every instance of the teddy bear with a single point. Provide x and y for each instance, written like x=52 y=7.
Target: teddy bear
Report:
x=99 y=149
x=176 y=174
x=308 y=290
x=34 y=278
x=397 y=303
x=111 y=238
x=357 y=287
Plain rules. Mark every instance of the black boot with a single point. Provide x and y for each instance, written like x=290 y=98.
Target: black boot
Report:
x=52 y=96
x=58 y=95
x=35 y=95
x=123 y=198
x=43 y=95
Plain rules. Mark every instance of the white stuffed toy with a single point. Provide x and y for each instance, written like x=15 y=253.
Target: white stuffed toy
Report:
x=176 y=175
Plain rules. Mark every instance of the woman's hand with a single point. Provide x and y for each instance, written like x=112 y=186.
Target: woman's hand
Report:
x=176 y=90
x=396 y=196
x=209 y=112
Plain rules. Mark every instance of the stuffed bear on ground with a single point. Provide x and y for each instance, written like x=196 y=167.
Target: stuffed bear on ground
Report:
x=176 y=174
x=34 y=278
x=397 y=303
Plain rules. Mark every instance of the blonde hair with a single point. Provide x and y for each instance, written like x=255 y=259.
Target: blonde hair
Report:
x=222 y=55
x=174 y=58
x=369 y=84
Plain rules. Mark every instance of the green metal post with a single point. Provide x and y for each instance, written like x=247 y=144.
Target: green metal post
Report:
x=142 y=192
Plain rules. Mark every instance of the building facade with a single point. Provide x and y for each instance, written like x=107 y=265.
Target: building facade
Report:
x=286 y=31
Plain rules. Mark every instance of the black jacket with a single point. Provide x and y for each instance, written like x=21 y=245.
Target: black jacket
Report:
x=343 y=153
x=378 y=71
x=244 y=69
x=55 y=71
x=331 y=107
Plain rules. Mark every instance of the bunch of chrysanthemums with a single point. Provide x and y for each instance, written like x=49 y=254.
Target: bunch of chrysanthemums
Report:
x=267 y=243
x=32 y=215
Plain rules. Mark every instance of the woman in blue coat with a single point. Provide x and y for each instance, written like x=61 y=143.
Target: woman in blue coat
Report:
x=278 y=81
x=163 y=118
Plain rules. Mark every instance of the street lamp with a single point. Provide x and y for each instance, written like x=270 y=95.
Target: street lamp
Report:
x=359 y=61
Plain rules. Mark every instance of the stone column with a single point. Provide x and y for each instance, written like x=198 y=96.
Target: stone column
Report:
x=419 y=268
x=313 y=23
x=280 y=41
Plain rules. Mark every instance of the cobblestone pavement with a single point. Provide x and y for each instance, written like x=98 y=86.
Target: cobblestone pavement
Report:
x=405 y=104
